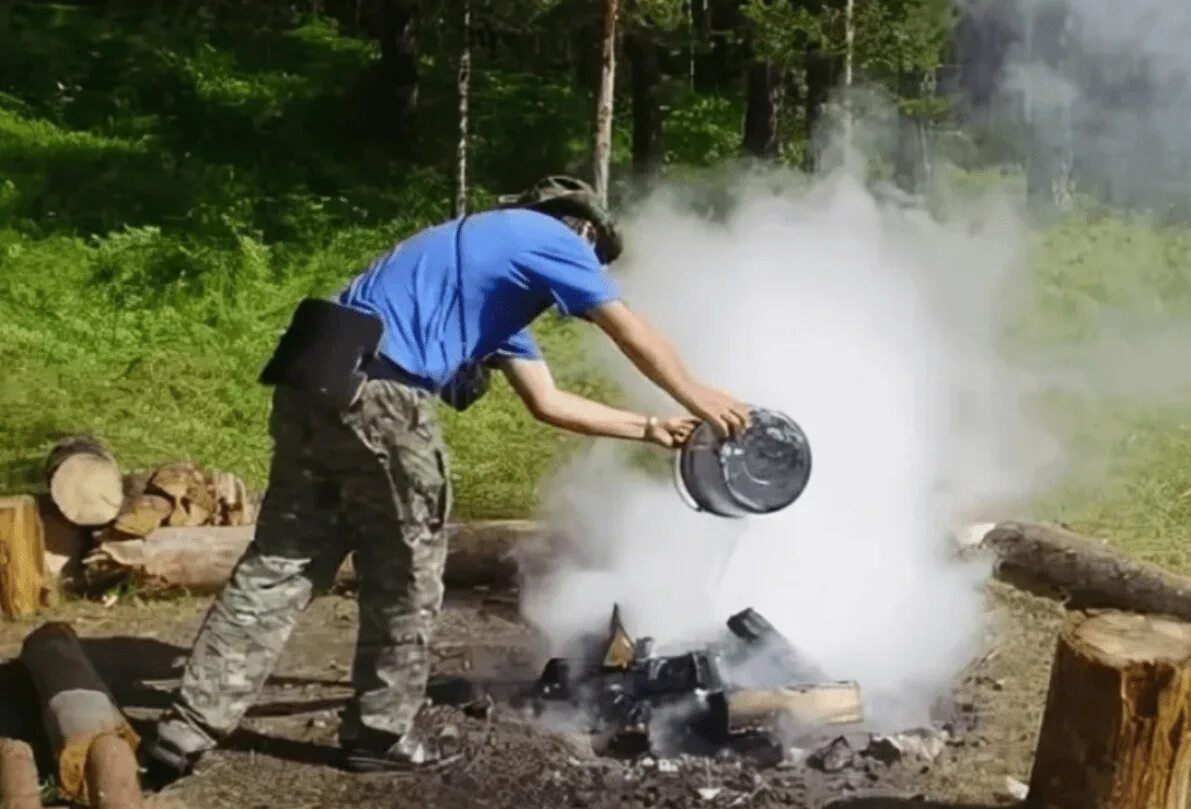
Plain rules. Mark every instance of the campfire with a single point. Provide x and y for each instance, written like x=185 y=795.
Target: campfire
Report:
x=752 y=685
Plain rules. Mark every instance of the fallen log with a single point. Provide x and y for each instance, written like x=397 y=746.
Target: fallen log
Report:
x=22 y=557
x=18 y=776
x=84 y=481
x=1082 y=572
x=77 y=709
x=200 y=559
x=1115 y=731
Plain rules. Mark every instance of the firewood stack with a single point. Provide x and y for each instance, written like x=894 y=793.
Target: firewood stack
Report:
x=179 y=494
x=45 y=538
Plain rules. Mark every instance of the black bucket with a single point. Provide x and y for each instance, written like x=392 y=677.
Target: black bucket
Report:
x=759 y=472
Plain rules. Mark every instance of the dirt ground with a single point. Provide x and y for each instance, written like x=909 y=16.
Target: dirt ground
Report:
x=284 y=755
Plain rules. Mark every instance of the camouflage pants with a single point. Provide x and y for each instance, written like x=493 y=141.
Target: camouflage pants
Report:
x=373 y=480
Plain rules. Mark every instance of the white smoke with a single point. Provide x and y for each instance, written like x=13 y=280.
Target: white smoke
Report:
x=875 y=329
x=1102 y=85
x=879 y=330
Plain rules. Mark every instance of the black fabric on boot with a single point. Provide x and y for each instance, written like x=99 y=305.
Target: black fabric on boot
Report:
x=378 y=751
x=164 y=763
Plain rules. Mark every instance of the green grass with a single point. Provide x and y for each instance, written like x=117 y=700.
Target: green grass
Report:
x=167 y=194
x=169 y=189
x=1130 y=446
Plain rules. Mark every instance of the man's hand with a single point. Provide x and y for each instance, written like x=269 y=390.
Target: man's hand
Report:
x=672 y=432
x=657 y=359
x=724 y=412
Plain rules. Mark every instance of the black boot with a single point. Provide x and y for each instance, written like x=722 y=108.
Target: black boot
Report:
x=378 y=751
x=171 y=752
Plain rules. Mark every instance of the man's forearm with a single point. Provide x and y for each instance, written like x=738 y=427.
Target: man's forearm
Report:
x=653 y=356
x=579 y=415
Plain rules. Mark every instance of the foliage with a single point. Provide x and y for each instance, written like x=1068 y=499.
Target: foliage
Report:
x=172 y=183
x=781 y=32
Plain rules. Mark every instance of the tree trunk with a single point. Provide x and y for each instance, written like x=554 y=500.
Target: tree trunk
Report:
x=1083 y=573
x=1114 y=733
x=846 y=81
x=723 y=18
x=18 y=776
x=702 y=68
x=459 y=206
x=22 y=557
x=911 y=164
x=818 y=90
x=647 y=115
x=76 y=709
x=84 y=481
x=765 y=88
x=1049 y=151
x=602 y=151
x=398 y=61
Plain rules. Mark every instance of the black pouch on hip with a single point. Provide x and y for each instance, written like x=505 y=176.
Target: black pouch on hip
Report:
x=467 y=386
x=323 y=350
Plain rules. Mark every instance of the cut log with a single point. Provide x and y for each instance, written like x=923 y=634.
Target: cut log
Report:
x=85 y=481
x=135 y=483
x=233 y=503
x=111 y=774
x=200 y=560
x=1115 y=731
x=1082 y=572
x=64 y=542
x=142 y=514
x=23 y=589
x=803 y=706
x=76 y=709
x=18 y=776
x=185 y=486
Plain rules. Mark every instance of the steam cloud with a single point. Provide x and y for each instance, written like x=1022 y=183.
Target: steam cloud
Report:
x=877 y=329
x=874 y=328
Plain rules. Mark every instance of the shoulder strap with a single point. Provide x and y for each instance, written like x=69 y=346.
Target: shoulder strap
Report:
x=459 y=281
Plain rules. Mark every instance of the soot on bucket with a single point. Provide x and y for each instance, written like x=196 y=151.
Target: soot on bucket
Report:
x=761 y=471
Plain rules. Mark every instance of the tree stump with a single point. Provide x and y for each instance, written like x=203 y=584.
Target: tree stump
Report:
x=85 y=481
x=22 y=557
x=1115 y=730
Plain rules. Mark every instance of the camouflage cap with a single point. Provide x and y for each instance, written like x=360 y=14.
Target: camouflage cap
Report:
x=561 y=195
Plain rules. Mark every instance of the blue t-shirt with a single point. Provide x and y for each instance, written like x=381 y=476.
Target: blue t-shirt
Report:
x=516 y=263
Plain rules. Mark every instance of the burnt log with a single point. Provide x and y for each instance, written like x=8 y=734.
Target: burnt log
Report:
x=77 y=710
